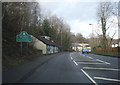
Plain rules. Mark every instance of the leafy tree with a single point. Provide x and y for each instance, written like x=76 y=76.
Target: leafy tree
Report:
x=46 y=27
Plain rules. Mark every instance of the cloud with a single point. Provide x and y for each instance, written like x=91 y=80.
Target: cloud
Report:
x=80 y=27
x=78 y=15
x=72 y=10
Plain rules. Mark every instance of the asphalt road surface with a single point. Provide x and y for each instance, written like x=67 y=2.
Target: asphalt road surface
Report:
x=76 y=67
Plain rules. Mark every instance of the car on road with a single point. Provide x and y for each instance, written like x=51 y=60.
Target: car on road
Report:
x=86 y=50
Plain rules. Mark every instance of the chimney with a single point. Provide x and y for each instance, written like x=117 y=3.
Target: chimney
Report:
x=46 y=37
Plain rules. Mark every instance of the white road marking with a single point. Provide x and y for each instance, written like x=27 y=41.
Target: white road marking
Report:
x=75 y=63
x=112 y=69
x=80 y=53
x=99 y=60
x=89 y=77
x=86 y=60
x=90 y=57
x=107 y=63
x=108 y=79
x=102 y=61
x=90 y=63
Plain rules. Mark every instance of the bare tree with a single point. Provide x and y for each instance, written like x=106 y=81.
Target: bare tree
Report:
x=105 y=10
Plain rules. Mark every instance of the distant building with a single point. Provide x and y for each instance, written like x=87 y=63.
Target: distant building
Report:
x=43 y=43
x=76 y=47
x=80 y=46
x=115 y=43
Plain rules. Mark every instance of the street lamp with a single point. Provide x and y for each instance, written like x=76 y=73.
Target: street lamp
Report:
x=92 y=36
x=92 y=29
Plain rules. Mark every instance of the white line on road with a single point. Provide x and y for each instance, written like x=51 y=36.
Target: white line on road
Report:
x=75 y=63
x=102 y=61
x=108 y=79
x=90 y=57
x=89 y=63
x=86 y=60
x=89 y=77
x=107 y=63
x=99 y=60
x=112 y=69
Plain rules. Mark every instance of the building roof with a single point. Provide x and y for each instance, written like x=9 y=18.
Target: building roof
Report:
x=48 y=42
x=80 y=44
x=115 y=41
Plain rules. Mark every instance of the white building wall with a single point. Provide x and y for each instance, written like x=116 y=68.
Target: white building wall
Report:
x=39 y=45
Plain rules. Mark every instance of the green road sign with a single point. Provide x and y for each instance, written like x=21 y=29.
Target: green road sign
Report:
x=24 y=37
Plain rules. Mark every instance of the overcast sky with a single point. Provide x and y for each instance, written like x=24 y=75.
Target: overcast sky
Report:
x=77 y=14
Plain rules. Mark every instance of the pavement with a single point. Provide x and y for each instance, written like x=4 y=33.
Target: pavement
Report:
x=70 y=67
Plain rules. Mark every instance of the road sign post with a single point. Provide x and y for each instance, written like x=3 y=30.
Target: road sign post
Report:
x=23 y=37
x=21 y=49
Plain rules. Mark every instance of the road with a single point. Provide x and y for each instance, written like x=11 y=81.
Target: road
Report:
x=76 y=67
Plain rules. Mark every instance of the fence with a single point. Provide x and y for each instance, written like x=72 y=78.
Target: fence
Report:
x=110 y=51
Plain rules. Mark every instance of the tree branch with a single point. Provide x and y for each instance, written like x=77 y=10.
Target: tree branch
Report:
x=110 y=24
x=112 y=37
